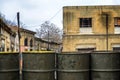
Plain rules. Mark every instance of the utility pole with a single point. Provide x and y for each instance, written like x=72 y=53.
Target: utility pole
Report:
x=18 y=21
x=48 y=48
x=20 y=53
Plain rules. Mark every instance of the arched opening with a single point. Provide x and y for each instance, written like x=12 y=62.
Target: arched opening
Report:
x=31 y=43
x=26 y=42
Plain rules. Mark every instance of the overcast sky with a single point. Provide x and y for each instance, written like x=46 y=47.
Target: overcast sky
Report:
x=35 y=12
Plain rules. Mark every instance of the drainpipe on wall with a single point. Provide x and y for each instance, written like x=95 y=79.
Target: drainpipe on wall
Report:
x=106 y=31
x=106 y=25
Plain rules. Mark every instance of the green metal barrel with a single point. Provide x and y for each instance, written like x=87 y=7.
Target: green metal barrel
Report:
x=73 y=66
x=38 y=66
x=9 y=66
x=105 y=66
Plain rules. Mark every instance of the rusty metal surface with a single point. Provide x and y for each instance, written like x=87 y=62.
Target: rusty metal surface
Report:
x=105 y=66
x=9 y=66
x=73 y=66
x=38 y=66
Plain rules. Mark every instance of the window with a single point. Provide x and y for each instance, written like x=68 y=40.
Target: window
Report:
x=26 y=42
x=117 y=21
x=86 y=50
x=0 y=29
x=85 y=22
x=85 y=25
x=31 y=49
x=116 y=48
x=117 y=25
x=2 y=48
x=26 y=49
x=31 y=43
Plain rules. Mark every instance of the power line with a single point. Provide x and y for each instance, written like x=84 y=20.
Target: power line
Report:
x=47 y=20
x=55 y=14
x=14 y=20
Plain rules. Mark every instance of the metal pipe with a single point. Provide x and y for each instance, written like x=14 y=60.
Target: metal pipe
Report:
x=106 y=24
x=106 y=32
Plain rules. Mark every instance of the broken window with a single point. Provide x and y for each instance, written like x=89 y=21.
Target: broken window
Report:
x=85 y=25
x=117 y=25
x=85 y=22
x=117 y=21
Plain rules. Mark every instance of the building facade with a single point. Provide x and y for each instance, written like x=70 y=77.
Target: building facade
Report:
x=9 y=40
x=88 y=28
x=43 y=45
x=27 y=40
x=7 y=37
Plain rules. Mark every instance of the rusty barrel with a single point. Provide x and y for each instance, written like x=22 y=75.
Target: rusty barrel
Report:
x=38 y=66
x=9 y=66
x=73 y=66
x=105 y=65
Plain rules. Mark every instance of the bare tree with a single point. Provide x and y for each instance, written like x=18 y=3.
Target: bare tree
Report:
x=8 y=22
x=2 y=16
x=49 y=31
x=11 y=23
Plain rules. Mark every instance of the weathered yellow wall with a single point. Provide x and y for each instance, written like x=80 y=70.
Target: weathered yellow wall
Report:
x=71 y=42
x=72 y=36
x=26 y=35
x=29 y=36
x=6 y=37
x=7 y=41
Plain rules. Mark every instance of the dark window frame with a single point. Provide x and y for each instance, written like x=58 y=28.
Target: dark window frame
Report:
x=31 y=43
x=26 y=42
x=85 y=22
x=117 y=21
x=86 y=49
x=116 y=48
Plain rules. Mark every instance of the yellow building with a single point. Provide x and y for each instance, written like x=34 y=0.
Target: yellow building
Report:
x=87 y=28
x=7 y=37
x=27 y=40
x=41 y=44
